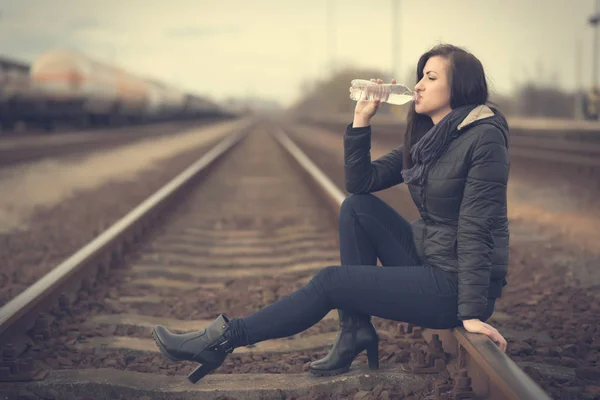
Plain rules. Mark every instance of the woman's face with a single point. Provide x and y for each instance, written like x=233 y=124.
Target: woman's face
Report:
x=433 y=91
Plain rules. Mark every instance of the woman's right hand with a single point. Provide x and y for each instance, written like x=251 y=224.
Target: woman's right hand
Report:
x=478 y=326
x=366 y=109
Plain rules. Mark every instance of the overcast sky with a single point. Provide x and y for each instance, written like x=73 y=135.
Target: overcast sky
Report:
x=268 y=47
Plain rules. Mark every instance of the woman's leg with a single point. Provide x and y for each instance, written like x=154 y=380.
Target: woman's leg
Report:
x=422 y=295
x=370 y=229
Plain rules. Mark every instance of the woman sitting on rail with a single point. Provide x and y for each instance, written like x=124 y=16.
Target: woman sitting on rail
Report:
x=444 y=271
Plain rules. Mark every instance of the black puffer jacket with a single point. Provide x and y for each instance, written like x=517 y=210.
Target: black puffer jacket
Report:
x=464 y=226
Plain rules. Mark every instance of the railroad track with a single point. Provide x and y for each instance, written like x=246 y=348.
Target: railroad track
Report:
x=231 y=234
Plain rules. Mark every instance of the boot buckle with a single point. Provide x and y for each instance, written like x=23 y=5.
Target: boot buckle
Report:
x=225 y=346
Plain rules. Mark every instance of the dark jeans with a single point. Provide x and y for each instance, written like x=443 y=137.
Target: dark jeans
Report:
x=403 y=290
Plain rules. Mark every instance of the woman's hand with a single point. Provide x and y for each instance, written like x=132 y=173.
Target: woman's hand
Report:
x=476 y=326
x=366 y=109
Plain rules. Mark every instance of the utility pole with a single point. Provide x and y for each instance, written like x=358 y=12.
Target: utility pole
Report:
x=303 y=38
x=594 y=20
x=395 y=39
x=579 y=90
x=330 y=36
x=578 y=114
x=396 y=70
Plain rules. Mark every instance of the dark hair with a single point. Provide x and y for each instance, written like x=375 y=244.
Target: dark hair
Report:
x=467 y=86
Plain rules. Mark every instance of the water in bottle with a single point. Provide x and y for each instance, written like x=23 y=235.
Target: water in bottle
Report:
x=363 y=89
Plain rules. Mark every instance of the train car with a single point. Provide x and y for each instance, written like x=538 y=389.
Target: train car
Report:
x=165 y=102
x=133 y=97
x=84 y=89
x=156 y=101
x=62 y=86
x=19 y=100
x=203 y=107
x=174 y=102
x=193 y=105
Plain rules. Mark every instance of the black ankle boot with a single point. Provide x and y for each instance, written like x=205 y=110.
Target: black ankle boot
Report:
x=356 y=334
x=208 y=347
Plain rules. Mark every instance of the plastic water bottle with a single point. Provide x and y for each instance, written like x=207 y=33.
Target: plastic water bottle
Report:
x=363 y=89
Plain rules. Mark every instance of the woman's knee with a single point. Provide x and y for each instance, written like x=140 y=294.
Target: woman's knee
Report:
x=324 y=277
x=355 y=202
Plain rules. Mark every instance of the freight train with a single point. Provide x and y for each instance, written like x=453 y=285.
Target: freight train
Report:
x=67 y=87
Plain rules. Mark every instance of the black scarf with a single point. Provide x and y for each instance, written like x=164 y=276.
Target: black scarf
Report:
x=433 y=144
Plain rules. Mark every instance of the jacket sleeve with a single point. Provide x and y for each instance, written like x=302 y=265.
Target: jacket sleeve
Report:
x=483 y=201
x=362 y=175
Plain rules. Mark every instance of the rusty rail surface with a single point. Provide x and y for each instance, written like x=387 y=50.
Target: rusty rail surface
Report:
x=482 y=367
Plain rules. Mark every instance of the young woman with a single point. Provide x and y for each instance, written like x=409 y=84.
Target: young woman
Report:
x=444 y=271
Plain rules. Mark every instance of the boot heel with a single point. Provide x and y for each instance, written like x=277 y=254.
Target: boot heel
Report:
x=373 y=355
x=200 y=372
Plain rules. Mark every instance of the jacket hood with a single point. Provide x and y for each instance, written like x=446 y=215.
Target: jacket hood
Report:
x=485 y=115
